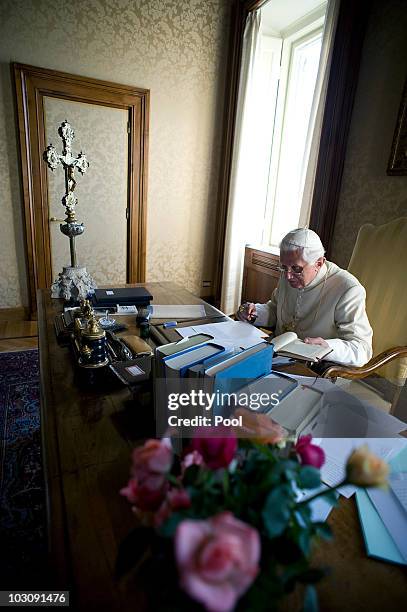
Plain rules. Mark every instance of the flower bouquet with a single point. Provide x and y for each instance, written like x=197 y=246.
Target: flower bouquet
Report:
x=227 y=526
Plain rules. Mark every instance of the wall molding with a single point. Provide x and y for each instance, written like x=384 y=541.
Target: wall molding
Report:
x=19 y=313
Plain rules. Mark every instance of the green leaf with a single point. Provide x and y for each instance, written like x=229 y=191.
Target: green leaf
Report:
x=322 y=530
x=304 y=513
x=289 y=464
x=225 y=482
x=191 y=475
x=309 y=477
x=279 y=472
x=173 y=480
x=331 y=497
x=267 y=590
x=290 y=474
x=287 y=551
x=167 y=529
x=310 y=599
x=304 y=541
x=253 y=518
x=277 y=510
x=292 y=570
x=265 y=450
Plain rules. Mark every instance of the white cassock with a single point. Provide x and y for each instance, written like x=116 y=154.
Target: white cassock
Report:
x=332 y=307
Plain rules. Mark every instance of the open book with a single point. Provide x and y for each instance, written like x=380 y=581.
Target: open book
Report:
x=290 y=345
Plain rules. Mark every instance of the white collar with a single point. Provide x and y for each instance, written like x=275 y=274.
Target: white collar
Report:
x=320 y=276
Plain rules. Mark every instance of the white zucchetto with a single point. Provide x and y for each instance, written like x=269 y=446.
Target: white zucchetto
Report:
x=302 y=238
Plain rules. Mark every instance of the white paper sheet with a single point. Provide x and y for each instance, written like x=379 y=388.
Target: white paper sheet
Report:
x=237 y=333
x=398 y=484
x=344 y=415
x=178 y=311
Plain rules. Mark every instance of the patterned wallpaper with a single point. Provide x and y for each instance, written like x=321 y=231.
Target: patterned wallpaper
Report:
x=368 y=195
x=175 y=48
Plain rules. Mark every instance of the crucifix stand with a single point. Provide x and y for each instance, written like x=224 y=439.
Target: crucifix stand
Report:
x=74 y=282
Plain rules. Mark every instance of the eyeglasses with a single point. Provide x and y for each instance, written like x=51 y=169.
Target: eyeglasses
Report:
x=295 y=270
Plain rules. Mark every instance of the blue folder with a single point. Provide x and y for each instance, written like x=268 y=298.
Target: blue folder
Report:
x=379 y=543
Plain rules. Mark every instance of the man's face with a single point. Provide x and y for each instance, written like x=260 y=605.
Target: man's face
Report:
x=293 y=262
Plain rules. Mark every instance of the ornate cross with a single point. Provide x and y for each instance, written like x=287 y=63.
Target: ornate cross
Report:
x=74 y=282
x=69 y=164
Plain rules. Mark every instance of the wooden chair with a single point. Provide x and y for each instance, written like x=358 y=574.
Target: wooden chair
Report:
x=379 y=262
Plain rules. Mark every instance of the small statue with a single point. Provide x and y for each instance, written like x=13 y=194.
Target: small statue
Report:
x=86 y=309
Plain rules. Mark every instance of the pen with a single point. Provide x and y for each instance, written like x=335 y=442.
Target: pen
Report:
x=170 y=324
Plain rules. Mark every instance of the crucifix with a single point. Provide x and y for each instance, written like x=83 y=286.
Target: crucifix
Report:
x=74 y=282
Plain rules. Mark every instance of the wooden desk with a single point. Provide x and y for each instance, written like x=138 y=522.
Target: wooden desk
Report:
x=87 y=438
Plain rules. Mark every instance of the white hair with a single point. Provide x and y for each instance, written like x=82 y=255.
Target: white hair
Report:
x=305 y=242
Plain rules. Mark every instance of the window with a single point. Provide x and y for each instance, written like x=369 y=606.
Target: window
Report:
x=288 y=162
x=284 y=71
x=287 y=72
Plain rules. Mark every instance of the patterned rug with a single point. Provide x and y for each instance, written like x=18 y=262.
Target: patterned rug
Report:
x=22 y=501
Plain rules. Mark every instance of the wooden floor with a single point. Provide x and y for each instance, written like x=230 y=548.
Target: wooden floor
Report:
x=18 y=335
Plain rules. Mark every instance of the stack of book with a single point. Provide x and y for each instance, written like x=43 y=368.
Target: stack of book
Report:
x=201 y=363
x=211 y=365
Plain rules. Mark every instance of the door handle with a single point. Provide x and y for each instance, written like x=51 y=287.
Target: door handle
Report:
x=55 y=220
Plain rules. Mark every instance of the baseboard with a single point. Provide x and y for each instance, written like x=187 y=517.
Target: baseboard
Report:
x=18 y=344
x=20 y=313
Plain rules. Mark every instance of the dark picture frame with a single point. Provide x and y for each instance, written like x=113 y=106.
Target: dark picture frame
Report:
x=397 y=165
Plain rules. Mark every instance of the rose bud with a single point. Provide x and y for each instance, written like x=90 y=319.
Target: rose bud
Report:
x=310 y=454
x=364 y=469
x=216 y=451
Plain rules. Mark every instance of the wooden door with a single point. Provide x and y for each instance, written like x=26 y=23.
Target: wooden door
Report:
x=111 y=127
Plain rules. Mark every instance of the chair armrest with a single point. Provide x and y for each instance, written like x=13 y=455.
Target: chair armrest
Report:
x=372 y=365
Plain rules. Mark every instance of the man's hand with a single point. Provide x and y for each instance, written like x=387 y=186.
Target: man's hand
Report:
x=318 y=341
x=247 y=312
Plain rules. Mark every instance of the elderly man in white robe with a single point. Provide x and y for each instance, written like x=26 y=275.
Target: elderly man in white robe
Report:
x=320 y=302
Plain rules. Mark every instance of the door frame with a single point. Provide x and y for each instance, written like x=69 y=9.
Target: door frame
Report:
x=32 y=84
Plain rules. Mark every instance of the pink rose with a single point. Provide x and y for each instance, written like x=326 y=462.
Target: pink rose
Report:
x=191 y=458
x=147 y=495
x=217 y=452
x=148 y=484
x=259 y=427
x=310 y=454
x=176 y=499
x=154 y=456
x=217 y=559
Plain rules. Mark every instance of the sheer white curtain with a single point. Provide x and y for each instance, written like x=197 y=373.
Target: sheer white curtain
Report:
x=317 y=111
x=243 y=226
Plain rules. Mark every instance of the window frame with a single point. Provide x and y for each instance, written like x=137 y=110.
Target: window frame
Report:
x=294 y=39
